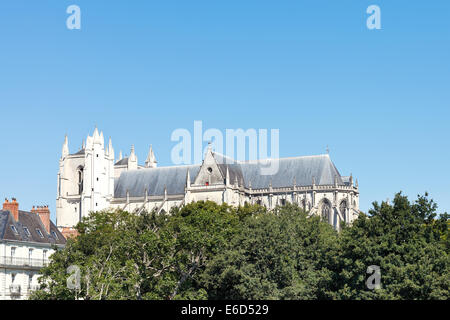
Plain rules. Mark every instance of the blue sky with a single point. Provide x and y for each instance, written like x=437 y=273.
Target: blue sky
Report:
x=141 y=69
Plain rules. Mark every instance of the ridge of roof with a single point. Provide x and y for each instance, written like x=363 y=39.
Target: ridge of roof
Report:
x=270 y=159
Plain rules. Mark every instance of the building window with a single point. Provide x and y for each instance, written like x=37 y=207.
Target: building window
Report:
x=283 y=202
x=343 y=209
x=326 y=211
x=80 y=180
x=27 y=232
x=55 y=235
x=30 y=280
x=39 y=232
x=13 y=252
x=44 y=255
x=14 y=229
x=30 y=254
x=13 y=278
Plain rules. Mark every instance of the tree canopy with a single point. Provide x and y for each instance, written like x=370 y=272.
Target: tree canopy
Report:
x=209 y=251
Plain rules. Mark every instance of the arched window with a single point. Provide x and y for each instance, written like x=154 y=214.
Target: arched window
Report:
x=343 y=209
x=325 y=211
x=80 y=179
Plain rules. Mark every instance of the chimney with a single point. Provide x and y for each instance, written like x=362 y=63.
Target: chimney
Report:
x=44 y=214
x=12 y=207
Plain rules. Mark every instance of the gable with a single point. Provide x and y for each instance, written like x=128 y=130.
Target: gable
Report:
x=210 y=172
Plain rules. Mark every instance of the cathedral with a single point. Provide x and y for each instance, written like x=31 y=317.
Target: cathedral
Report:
x=92 y=180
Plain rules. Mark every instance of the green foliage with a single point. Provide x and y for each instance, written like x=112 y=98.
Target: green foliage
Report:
x=209 y=251
x=405 y=241
x=276 y=255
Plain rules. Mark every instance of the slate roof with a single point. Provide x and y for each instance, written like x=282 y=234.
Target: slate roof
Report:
x=82 y=151
x=32 y=222
x=122 y=162
x=154 y=180
x=303 y=169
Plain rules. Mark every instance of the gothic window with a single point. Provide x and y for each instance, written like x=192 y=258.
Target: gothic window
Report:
x=80 y=180
x=283 y=202
x=326 y=211
x=343 y=209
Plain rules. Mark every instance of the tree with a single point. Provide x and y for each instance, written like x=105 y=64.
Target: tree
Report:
x=405 y=240
x=275 y=255
x=122 y=255
x=209 y=251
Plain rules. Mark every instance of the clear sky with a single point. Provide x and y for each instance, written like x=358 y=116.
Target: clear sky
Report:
x=141 y=69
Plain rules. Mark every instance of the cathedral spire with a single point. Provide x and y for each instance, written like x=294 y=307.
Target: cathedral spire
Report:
x=110 y=149
x=65 y=148
x=151 y=159
x=188 y=179
x=102 y=138
x=96 y=135
x=132 y=160
x=132 y=154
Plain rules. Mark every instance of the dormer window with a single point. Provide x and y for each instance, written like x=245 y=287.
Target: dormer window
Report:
x=14 y=229
x=54 y=235
x=27 y=232
x=39 y=232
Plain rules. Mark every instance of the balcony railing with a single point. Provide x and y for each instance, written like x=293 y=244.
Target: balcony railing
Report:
x=22 y=262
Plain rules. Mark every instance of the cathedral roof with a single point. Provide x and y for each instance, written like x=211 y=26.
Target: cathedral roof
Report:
x=82 y=151
x=122 y=162
x=303 y=170
x=154 y=180
x=31 y=221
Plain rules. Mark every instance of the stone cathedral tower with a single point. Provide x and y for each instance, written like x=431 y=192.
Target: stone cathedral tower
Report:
x=85 y=180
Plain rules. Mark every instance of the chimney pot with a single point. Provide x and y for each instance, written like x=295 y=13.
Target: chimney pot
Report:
x=12 y=207
x=44 y=215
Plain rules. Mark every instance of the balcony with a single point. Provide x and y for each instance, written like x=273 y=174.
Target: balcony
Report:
x=14 y=290
x=23 y=263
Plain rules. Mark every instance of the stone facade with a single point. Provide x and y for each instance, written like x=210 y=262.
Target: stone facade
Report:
x=90 y=180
